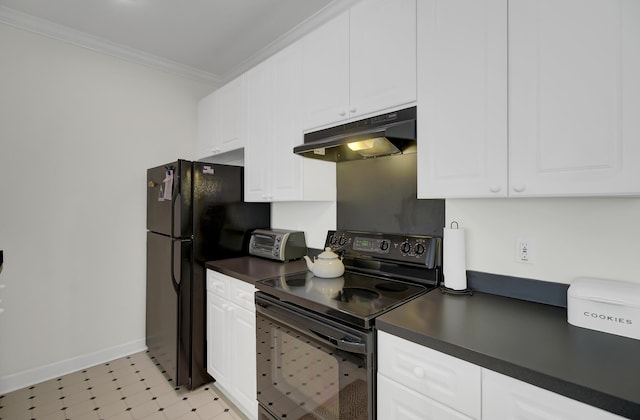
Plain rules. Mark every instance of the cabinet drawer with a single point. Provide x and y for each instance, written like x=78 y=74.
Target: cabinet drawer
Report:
x=218 y=284
x=242 y=294
x=505 y=398
x=399 y=402
x=446 y=379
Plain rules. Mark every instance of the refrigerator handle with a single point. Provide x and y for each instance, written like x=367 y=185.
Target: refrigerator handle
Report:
x=176 y=284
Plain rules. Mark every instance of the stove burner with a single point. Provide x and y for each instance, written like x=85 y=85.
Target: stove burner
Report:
x=296 y=282
x=392 y=287
x=351 y=294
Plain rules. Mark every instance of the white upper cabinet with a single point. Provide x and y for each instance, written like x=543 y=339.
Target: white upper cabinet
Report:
x=462 y=98
x=258 y=153
x=207 y=126
x=360 y=62
x=325 y=73
x=574 y=97
x=272 y=171
x=382 y=35
x=231 y=115
x=221 y=120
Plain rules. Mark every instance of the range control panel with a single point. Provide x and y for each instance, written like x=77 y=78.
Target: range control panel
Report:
x=414 y=249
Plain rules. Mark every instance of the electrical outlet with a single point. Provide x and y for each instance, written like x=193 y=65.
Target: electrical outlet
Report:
x=525 y=249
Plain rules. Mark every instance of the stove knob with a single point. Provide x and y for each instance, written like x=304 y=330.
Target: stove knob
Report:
x=405 y=247
x=420 y=249
x=342 y=241
x=384 y=245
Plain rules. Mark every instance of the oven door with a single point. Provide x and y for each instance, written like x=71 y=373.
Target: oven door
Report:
x=310 y=367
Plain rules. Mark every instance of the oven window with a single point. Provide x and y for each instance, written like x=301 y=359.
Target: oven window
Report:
x=263 y=242
x=303 y=378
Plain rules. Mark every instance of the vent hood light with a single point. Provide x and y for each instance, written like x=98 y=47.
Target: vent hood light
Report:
x=378 y=146
x=383 y=135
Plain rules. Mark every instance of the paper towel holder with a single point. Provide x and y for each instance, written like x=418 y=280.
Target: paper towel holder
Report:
x=447 y=290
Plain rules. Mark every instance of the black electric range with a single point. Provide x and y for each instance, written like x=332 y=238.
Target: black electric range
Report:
x=315 y=337
x=382 y=271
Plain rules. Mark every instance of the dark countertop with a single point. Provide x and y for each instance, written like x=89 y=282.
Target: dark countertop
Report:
x=251 y=269
x=529 y=341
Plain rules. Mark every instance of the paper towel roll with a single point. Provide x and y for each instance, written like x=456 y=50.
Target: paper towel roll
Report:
x=454 y=259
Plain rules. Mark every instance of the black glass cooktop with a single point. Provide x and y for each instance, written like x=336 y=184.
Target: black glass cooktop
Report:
x=353 y=298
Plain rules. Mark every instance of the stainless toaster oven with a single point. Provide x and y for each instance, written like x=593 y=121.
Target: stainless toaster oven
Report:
x=278 y=244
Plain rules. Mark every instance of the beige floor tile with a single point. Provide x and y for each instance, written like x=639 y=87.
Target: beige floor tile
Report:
x=15 y=412
x=105 y=399
x=78 y=398
x=177 y=410
x=144 y=410
x=168 y=399
x=210 y=410
x=155 y=416
x=134 y=400
x=92 y=415
x=200 y=399
x=76 y=388
x=93 y=394
x=133 y=388
x=160 y=388
x=104 y=388
x=190 y=416
x=79 y=409
x=57 y=415
x=113 y=409
x=128 y=379
x=47 y=408
x=121 y=416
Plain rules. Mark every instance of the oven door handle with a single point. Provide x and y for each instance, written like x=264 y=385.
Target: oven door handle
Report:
x=341 y=344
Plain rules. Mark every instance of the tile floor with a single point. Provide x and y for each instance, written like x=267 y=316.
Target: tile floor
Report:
x=131 y=387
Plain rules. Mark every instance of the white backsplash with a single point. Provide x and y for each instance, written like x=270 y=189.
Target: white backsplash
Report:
x=314 y=218
x=573 y=237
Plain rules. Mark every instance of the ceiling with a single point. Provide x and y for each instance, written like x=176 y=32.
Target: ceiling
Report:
x=208 y=39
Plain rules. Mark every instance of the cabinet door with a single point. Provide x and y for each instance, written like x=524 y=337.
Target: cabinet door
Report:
x=443 y=378
x=243 y=359
x=207 y=126
x=286 y=166
x=325 y=73
x=259 y=135
x=382 y=36
x=399 y=402
x=218 y=360
x=506 y=398
x=231 y=118
x=574 y=97
x=462 y=98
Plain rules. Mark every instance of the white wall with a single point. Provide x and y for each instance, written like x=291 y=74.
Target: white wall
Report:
x=572 y=237
x=314 y=218
x=77 y=131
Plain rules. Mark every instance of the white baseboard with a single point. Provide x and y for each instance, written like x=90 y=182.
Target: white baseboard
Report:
x=36 y=375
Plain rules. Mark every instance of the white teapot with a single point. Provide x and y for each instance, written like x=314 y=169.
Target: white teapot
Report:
x=326 y=265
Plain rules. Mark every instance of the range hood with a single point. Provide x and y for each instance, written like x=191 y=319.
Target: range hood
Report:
x=382 y=135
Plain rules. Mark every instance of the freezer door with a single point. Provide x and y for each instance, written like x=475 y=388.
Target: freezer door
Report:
x=168 y=332
x=169 y=198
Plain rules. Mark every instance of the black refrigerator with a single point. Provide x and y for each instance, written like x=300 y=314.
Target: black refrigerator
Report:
x=195 y=214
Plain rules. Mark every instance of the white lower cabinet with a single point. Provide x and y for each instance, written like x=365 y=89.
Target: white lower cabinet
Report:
x=416 y=382
x=231 y=339
x=396 y=401
x=505 y=398
x=441 y=379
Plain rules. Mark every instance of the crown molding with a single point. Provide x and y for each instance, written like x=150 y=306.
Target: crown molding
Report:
x=63 y=33
x=325 y=14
